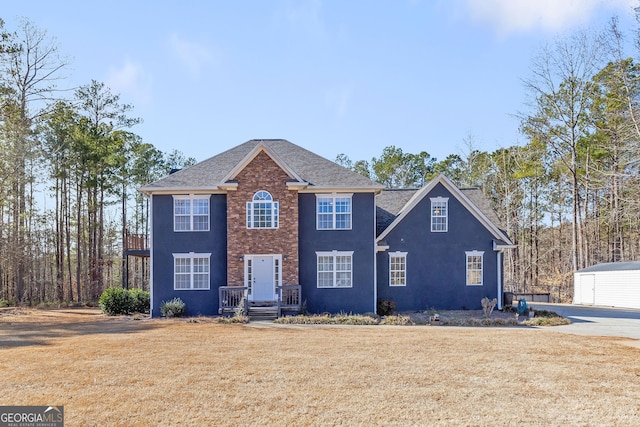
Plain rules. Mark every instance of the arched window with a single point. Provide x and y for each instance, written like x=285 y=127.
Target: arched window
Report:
x=262 y=211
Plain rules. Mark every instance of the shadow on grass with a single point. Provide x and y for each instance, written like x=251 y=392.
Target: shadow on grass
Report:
x=22 y=331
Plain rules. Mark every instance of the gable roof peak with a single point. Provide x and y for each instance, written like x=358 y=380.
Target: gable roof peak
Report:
x=303 y=166
x=488 y=221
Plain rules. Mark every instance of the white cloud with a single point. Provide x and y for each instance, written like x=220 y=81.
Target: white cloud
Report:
x=131 y=82
x=510 y=16
x=193 y=56
x=339 y=99
x=305 y=17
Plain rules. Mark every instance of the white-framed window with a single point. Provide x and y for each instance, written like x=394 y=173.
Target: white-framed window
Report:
x=474 y=268
x=191 y=213
x=191 y=271
x=439 y=214
x=333 y=211
x=397 y=269
x=335 y=269
x=262 y=211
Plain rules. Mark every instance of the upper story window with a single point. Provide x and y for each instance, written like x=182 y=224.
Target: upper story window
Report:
x=262 y=211
x=439 y=214
x=397 y=269
x=333 y=211
x=191 y=213
x=474 y=268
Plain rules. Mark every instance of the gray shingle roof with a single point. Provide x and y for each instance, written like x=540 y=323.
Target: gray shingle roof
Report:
x=388 y=205
x=310 y=167
x=390 y=202
x=479 y=199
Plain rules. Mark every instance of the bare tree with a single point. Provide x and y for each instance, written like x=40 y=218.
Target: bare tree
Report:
x=560 y=97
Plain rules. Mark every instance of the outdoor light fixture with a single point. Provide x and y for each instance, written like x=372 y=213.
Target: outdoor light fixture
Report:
x=240 y=257
x=284 y=258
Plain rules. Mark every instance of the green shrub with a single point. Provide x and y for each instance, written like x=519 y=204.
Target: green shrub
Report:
x=385 y=307
x=173 y=308
x=115 y=301
x=140 y=301
x=5 y=303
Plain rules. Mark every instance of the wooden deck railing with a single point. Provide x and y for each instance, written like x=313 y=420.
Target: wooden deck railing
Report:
x=137 y=242
x=289 y=298
x=229 y=298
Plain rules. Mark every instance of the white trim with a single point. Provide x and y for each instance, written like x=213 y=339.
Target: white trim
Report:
x=398 y=254
x=375 y=260
x=334 y=214
x=191 y=198
x=440 y=200
x=224 y=187
x=151 y=284
x=466 y=262
x=191 y=256
x=150 y=191
x=499 y=256
x=274 y=208
x=334 y=254
x=318 y=189
x=459 y=195
x=276 y=282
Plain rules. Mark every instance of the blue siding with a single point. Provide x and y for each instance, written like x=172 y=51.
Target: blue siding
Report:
x=166 y=242
x=360 y=239
x=436 y=262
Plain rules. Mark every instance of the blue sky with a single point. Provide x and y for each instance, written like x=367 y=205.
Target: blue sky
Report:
x=333 y=76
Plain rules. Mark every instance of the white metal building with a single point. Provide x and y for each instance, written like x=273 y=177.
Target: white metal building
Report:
x=614 y=284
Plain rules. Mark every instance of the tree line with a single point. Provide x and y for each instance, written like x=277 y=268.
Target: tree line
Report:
x=70 y=166
x=69 y=169
x=569 y=197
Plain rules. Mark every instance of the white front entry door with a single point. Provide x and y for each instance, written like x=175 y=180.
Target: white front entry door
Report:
x=261 y=272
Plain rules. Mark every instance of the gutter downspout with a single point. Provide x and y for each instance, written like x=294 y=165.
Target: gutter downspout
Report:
x=151 y=283
x=499 y=270
x=375 y=258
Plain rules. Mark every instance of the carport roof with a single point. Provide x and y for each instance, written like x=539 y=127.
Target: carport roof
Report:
x=612 y=266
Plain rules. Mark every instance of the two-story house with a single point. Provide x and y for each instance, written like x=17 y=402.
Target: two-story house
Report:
x=268 y=215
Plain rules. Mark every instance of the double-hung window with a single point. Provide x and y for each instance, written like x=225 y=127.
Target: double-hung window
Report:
x=474 y=268
x=262 y=211
x=333 y=211
x=398 y=269
x=335 y=269
x=191 y=271
x=191 y=213
x=439 y=214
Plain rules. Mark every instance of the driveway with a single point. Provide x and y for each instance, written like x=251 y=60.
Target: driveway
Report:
x=596 y=321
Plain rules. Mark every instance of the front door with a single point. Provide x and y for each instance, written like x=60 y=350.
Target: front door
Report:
x=261 y=273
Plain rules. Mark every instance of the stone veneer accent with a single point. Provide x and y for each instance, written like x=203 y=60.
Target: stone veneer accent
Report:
x=262 y=173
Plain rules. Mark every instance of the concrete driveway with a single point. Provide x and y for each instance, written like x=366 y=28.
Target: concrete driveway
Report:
x=596 y=321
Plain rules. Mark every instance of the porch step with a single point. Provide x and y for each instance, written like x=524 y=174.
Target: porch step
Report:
x=263 y=313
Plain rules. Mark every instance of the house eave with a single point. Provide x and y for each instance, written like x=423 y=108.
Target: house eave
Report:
x=149 y=191
x=334 y=189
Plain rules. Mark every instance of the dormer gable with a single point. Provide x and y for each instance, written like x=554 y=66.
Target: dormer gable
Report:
x=420 y=194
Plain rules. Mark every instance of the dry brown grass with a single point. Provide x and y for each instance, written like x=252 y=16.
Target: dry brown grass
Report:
x=123 y=372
